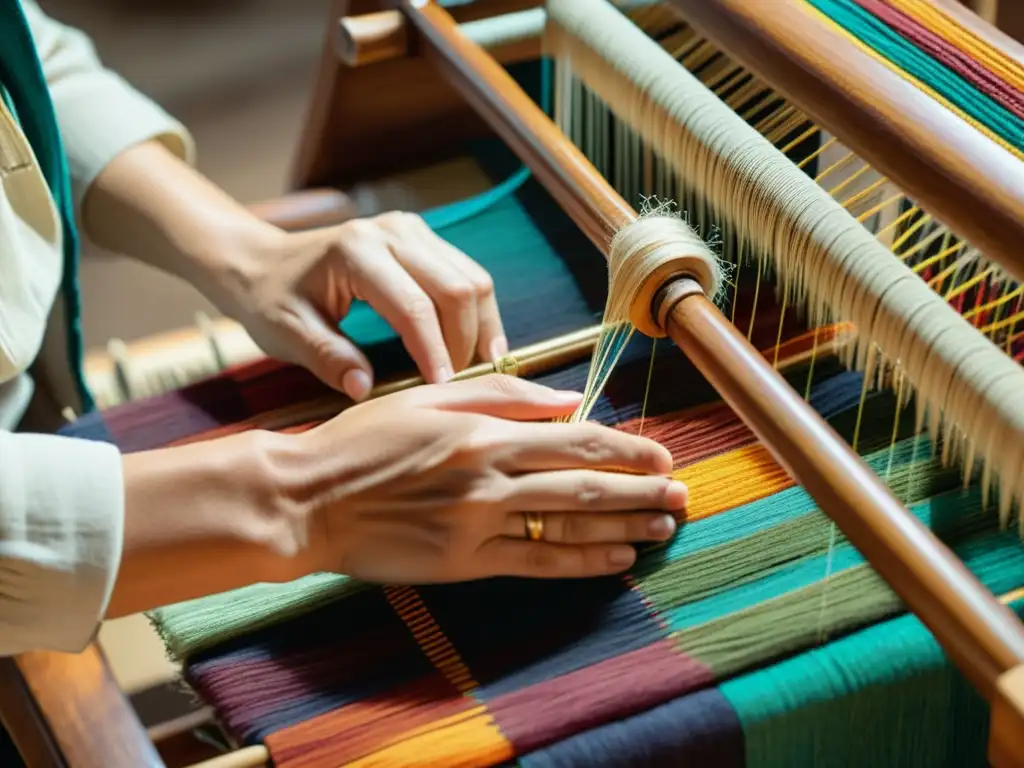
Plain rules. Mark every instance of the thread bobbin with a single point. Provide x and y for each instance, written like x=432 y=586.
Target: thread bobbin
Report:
x=647 y=255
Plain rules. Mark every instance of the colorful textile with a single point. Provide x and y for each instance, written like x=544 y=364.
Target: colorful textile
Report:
x=753 y=638
x=974 y=91
x=622 y=671
x=715 y=647
x=986 y=81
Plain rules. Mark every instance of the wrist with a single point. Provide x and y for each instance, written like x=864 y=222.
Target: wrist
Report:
x=229 y=492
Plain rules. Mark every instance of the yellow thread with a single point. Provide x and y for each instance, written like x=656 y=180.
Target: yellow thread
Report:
x=899 y=220
x=994 y=303
x=981 y=127
x=800 y=139
x=910 y=232
x=918 y=268
x=953 y=32
x=807 y=160
x=879 y=208
x=864 y=192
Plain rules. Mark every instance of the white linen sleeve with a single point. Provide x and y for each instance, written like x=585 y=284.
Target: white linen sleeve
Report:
x=61 y=530
x=99 y=113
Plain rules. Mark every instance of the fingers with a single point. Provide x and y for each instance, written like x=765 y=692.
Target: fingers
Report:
x=589 y=491
x=504 y=397
x=442 y=305
x=583 y=528
x=547 y=447
x=460 y=288
x=400 y=300
x=453 y=295
x=332 y=358
x=491 y=341
x=540 y=560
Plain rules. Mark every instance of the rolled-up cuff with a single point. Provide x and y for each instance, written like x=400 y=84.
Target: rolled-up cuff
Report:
x=101 y=116
x=61 y=532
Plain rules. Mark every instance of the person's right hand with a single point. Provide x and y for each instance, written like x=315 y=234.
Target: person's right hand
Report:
x=431 y=485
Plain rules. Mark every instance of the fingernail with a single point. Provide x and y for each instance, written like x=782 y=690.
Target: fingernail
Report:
x=662 y=527
x=676 y=495
x=444 y=374
x=356 y=384
x=499 y=347
x=621 y=557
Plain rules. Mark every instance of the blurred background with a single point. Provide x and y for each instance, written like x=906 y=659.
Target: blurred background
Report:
x=238 y=73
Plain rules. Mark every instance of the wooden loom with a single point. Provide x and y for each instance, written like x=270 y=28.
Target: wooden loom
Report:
x=454 y=90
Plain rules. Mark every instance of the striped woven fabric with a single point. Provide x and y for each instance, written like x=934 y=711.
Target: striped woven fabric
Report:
x=758 y=637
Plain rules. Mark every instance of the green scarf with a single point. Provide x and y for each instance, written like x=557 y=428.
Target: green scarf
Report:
x=21 y=73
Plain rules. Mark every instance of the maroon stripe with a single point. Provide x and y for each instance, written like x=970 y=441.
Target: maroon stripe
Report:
x=972 y=71
x=620 y=687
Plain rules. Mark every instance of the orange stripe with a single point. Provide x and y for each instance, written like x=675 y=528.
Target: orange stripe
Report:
x=410 y=608
x=460 y=742
x=730 y=480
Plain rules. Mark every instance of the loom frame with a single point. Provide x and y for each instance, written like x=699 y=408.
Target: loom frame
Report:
x=435 y=125
x=984 y=639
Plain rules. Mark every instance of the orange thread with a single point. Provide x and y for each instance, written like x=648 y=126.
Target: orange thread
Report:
x=731 y=480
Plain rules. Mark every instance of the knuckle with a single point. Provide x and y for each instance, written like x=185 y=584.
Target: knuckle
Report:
x=475 y=445
x=588 y=493
x=361 y=229
x=482 y=285
x=417 y=309
x=400 y=221
x=459 y=293
x=591 y=444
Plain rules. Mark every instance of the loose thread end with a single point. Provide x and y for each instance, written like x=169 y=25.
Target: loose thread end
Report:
x=646 y=254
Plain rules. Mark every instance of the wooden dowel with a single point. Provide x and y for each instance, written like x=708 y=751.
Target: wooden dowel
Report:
x=983 y=637
x=524 y=361
x=371 y=37
x=79 y=707
x=247 y=757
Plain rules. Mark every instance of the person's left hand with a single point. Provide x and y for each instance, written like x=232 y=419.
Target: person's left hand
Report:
x=296 y=288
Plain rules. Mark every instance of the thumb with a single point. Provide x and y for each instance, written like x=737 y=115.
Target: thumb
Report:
x=334 y=359
x=504 y=397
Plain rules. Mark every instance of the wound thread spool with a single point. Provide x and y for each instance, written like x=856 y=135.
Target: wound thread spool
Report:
x=647 y=254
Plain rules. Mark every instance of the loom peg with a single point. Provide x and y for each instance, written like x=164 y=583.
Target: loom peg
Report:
x=372 y=37
x=983 y=637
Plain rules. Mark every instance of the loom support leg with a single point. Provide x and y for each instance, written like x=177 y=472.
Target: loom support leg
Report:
x=1006 y=729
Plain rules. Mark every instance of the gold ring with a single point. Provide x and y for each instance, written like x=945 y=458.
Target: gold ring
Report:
x=534 y=526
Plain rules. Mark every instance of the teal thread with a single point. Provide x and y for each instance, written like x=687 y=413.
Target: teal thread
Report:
x=902 y=53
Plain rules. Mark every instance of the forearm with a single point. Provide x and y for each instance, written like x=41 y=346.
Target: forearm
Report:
x=150 y=205
x=204 y=519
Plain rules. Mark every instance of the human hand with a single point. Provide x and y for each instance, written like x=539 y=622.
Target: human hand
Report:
x=299 y=286
x=431 y=485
